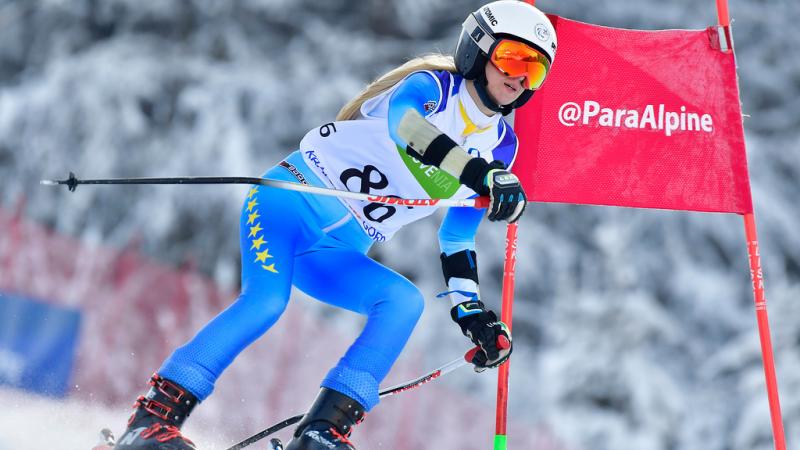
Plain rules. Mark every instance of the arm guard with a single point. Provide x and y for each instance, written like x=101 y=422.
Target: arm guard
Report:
x=429 y=145
x=461 y=275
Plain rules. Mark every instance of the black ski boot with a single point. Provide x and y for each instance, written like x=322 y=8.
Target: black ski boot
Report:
x=156 y=422
x=328 y=423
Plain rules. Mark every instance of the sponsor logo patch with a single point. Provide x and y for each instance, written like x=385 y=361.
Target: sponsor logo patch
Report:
x=542 y=32
x=490 y=16
x=293 y=170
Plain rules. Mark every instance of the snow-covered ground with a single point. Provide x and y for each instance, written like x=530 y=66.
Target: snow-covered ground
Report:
x=33 y=422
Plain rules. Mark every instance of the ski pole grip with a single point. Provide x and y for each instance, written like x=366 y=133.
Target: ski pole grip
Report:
x=471 y=354
x=503 y=342
x=482 y=202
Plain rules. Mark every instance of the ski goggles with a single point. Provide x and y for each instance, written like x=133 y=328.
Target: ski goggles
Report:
x=516 y=59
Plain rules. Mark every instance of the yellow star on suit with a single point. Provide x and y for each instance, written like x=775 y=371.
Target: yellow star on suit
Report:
x=257 y=243
x=262 y=256
x=255 y=229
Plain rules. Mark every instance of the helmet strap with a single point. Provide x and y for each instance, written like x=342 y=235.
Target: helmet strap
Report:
x=480 y=86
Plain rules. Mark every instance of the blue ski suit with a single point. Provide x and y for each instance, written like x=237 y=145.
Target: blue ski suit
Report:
x=292 y=238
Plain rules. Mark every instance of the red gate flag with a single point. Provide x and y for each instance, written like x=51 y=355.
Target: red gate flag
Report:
x=634 y=118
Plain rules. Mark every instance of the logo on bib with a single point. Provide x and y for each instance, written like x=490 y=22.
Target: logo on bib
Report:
x=436 y=182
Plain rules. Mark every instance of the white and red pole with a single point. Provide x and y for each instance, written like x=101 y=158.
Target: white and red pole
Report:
x=757 y=277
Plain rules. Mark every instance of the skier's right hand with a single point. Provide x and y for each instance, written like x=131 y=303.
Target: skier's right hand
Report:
x=507 y=198
x=492 y=336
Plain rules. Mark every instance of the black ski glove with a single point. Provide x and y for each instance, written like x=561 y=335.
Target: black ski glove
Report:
x=503 y=188
x=482 y=327
x=507 y=197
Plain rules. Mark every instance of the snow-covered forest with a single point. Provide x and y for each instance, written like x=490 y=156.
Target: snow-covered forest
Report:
x=634 y=329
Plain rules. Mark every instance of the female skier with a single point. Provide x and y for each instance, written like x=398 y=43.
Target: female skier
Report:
x=432 y=128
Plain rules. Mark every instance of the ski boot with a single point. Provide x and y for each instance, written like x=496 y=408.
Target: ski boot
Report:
x=156 y=422
x=328 y=423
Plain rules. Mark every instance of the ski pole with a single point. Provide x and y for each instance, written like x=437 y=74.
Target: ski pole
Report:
x=479 y=202
x=402 y=387
x=447 y=368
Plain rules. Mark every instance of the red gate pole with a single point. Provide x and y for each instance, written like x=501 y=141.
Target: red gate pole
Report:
x=505 y=316
x=757 y=277
x=501 y=414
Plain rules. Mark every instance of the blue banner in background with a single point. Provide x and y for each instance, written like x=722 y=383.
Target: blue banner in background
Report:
x=37 y=344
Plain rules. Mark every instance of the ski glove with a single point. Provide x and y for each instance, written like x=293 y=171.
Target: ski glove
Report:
x=482 y=327
x=506 y=195
x=507 y=199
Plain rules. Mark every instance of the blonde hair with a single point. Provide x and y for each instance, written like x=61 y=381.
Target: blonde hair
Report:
x=434 y=61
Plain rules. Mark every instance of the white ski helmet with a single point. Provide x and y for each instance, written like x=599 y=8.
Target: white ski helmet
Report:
x=492 y=23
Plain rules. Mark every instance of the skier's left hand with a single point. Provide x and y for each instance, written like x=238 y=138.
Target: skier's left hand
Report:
x=492 y=336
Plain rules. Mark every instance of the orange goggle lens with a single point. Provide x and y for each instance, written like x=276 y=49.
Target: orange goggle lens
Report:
x=516 y=59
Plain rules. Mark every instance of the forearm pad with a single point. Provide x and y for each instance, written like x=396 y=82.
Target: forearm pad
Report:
x=425 y=142
x=430 y=146
x=463 y=264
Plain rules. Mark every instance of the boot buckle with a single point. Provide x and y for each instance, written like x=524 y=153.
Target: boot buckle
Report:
x=157 y=409
x=168 y=388
x=171 y=390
